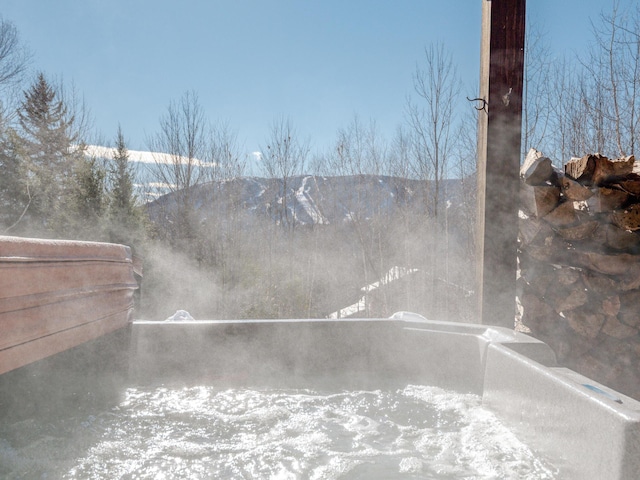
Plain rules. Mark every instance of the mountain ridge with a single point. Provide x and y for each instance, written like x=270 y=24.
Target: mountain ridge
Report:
x=314 y=199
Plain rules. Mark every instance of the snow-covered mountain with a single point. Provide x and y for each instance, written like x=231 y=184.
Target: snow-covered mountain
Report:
x=313 y=200
x=308 y=199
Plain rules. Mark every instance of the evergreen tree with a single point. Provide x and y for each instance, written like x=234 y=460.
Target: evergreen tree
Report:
x=49 y=154
x=125 y=218
x=83 y=215
x=14 y=187
x=122 y=199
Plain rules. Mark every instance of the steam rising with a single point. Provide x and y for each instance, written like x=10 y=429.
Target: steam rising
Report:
x=341 y=237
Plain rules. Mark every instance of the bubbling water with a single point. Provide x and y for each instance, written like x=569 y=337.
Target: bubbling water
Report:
x=204 y=432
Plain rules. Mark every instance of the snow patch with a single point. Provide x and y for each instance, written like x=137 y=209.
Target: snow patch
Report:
x=308 y=204
x=394 y=273
x=180 y=316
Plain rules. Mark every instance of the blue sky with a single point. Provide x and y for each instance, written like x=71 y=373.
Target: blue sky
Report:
x=317 y=62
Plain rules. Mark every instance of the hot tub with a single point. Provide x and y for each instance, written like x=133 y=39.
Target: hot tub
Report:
x=583 y=428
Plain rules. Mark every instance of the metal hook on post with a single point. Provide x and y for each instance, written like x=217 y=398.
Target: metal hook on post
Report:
x=483 y=106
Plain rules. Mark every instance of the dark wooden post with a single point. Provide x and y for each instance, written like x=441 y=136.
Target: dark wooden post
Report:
x=499 y=131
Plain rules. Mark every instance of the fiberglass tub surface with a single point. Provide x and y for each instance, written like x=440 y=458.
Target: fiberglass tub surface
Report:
x=585 y=429
x=57 y=294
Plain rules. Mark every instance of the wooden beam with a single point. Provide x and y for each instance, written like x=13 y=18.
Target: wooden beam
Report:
x=499 y=132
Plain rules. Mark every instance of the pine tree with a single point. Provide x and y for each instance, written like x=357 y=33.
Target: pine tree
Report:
x=45 y=124
x=49 y=154
x=83 y=215
x=122 y=201
x=14 y=187
x=126 y=220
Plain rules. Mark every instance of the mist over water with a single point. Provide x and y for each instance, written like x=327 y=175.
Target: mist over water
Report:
x=202 y=432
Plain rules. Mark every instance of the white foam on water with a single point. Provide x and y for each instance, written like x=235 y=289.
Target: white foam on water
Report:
x=202 y=432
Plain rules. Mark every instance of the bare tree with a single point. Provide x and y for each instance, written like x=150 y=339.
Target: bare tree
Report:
x=361 y=156
x=222 y=222
x=359 y=150
x=79 y=114
x=611 y=94
x=284 y=156
x=400 y=154
x=465 y=170
x=575 y=105
x=224 y=158
x=432 y=117
x=14 y=57
x=179 y=149
x=538 y=97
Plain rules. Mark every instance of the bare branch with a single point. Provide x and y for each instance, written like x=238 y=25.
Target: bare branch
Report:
x=14 y=57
